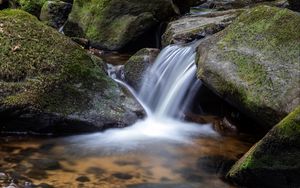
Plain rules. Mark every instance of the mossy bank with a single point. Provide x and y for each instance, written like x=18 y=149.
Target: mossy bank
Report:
x=48 y=83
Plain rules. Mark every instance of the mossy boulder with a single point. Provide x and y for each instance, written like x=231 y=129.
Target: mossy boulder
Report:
x=111 y=24
x=254 y=63
x=49 y=84
x=190 y=28
x=138 y=64
x=294 y=4
x=274 y=160
x=32 y=6
x=55 y=13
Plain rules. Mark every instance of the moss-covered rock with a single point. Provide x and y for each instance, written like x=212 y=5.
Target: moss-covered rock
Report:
x=55 y=13
x=273 y=161
x=111 y=24
x=32 y=6
x=190 y=28
x=137 y=65
x=254 y=63
x=49 y=84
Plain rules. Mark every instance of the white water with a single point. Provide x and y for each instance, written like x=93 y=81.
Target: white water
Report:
x=166 y=91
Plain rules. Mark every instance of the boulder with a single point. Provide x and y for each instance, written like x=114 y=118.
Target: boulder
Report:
x=230 y=4
x=111 y=24
x=294 y=5
x=254 y=63
x=49 y=84
x=190 y=28
x=274 y=160
x=137 y=65
x=31 y=6
x=55 y=13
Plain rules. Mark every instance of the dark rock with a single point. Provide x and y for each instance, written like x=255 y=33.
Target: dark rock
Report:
x=55 y=13
x=122 y=176
x=37 y=174
x=163 y=185
x=219 y=165
x=257 y=76
x=83 y=179
x=4 y=4
x=231 y=4
x=274 y=160
x=184 y=6
x=95 y=170
x=44 y=185
x=294 y=5
x=137 y=65
x=45 y=164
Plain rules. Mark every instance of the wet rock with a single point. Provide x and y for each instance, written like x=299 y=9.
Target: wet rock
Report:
x=55 y=13
x=83 y=179
x=62 y=92
x=44 y=185
x=95 y=170
x=116 y=22
x=190 y=28
x=37 y=174
x=257 y=76
x=138 y=64
x=274 y=160
x=219 y=165
x=294 y=5
x=123 y=176
x=45 y=164
x=163 y=185
x=230 y=4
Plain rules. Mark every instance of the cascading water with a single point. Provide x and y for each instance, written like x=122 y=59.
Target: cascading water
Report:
x=167 y=85
x=167 y=88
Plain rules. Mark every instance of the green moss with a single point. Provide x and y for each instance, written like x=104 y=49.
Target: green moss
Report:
x=32 y=6
x=43 y=68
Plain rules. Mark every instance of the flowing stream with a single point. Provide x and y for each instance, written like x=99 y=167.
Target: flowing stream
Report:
x=158 y=152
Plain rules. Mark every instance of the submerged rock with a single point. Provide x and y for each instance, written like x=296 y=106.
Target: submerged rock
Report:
x=190 y=28
x=137 y=65
x=55 y=13
x=111 y=24
x=254 y=63
x=274 y=160
x=48 y=84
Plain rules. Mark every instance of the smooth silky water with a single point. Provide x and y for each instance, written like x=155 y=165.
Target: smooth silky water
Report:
x=160 y=151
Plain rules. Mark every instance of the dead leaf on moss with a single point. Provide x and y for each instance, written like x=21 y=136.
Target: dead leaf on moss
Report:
x=16 y=48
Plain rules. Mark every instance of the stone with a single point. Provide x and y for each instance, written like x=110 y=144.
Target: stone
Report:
x=137 y=65
x=112 y=24
x=55 y=13
x=191 y=28
x=274 y=160
x=50 y=85
x=254 y=63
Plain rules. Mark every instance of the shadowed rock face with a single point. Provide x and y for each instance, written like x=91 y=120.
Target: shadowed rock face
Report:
x=48 y=84
x=273 y=161
x=254 y=63
x=111 y=24
x=294 y=5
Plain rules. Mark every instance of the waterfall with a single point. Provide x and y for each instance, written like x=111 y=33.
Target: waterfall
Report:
x=171 y=82
x=167 y=89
